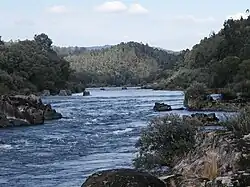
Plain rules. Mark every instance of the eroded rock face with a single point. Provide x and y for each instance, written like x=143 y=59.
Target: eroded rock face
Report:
x=25 y=110
x=122 y=178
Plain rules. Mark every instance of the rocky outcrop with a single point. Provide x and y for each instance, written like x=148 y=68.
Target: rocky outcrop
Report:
x=22 y=110
x=122 y=178
x=160 y=107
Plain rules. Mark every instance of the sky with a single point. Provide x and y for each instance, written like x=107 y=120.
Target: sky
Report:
x=169 y=24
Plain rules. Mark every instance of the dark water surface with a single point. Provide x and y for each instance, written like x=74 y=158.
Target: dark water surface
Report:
x=99 y=132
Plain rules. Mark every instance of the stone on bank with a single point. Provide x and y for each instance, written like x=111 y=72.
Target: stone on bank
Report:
x=122 y=178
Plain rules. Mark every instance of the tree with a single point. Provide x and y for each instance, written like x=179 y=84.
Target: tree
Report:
x=1 y=42
x=44 y=41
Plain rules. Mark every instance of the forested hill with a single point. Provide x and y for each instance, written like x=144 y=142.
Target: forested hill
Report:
x=31 y=66
x=221 y=60
x=123 y=64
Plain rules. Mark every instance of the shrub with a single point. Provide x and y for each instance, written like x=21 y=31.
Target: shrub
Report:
x=196 y=91
x=228 y=94
x=164 y=141
x=243 y=87
x=239 y=124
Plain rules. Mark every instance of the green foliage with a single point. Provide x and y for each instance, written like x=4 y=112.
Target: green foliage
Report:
x=32 y=65
x=228 y=94
x=124 y=64
x=164 y=142
x=218 y=61
x=243 y=87
x=239 y=124
x=196 y=90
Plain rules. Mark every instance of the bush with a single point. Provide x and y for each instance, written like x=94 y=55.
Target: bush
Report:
x=196 y=91
x=240 y=124
x=228 y=94
x=243 y=87
x=164 y=141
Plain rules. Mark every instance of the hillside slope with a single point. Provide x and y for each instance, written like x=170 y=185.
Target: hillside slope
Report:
x=123 y=64
x=221 y=60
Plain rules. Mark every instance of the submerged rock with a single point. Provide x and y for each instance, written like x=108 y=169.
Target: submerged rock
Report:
x=122 y=178
x=160 y=107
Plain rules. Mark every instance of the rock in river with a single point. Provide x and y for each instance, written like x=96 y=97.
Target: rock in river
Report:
x=160 y=107
x=124 y=178
x=86 y=93
x=24 y=110
x=65 y=93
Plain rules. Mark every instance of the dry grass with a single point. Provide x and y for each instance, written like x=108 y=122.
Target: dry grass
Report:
x=211 y=166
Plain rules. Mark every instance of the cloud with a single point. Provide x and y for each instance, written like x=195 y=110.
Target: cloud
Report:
x=137 y=9
x=194 y=19
x=58 y=9
x=238 y=16
x=112 y=7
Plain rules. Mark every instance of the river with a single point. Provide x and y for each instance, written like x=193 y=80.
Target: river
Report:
x=97 y=132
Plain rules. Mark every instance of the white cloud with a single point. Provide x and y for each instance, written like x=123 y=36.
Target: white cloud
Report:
x=58 y=9
x=238 y=16
x=194 y=19
x=112 y=7
x=137 y=9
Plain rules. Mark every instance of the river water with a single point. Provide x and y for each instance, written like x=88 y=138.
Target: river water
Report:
x=98 y=132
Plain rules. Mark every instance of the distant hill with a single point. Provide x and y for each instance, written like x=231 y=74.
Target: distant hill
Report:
x=123 y=64
x=98 y=47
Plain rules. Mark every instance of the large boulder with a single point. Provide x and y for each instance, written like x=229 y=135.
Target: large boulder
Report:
x=25 y=110
x=122 y=178
x=160 y=107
